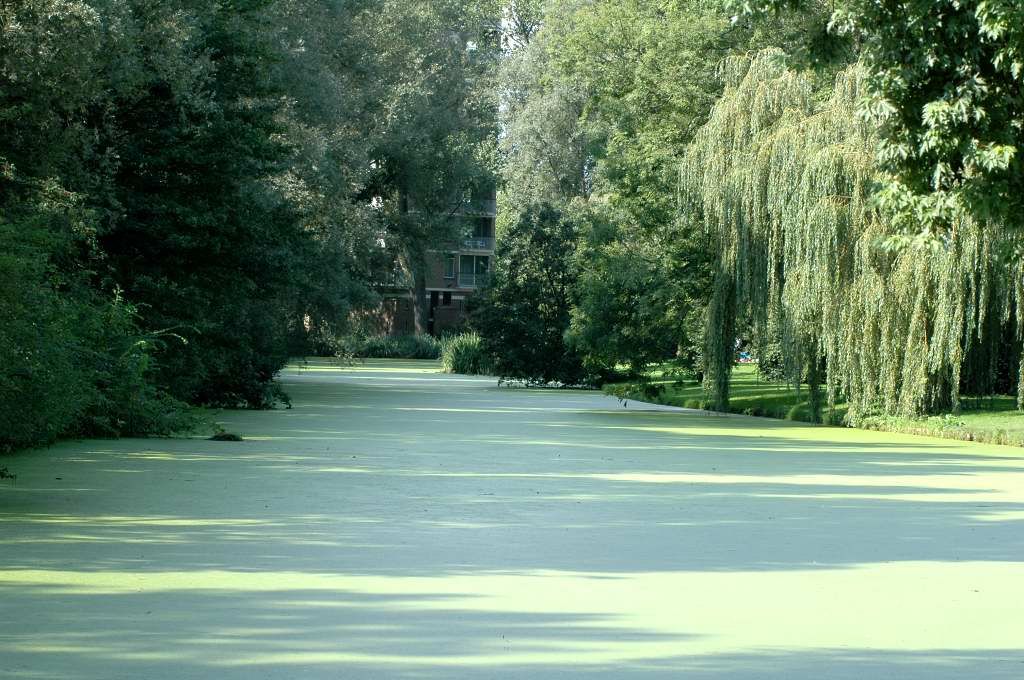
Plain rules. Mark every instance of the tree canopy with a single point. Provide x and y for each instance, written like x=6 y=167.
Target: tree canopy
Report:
x=217 y=178
x=943 y=82
x=191 y=192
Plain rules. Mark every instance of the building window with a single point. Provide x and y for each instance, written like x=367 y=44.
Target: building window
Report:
x=449 y=266
x=473 y=270
x=446 y=298
x=483 y=227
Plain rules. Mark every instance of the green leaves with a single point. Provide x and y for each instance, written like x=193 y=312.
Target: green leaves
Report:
x=945 y=87
x=523 y=314
x=870 y=283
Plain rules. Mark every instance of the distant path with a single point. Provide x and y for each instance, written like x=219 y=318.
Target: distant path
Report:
x=399 y=523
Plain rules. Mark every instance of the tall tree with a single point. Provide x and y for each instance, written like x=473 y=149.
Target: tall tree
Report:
x=783 y=173
x=944 y=80
x=433 y=149
x=597 y=108
x=193 y=182
x=524 y=312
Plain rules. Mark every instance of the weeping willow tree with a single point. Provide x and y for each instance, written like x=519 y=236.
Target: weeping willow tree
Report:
x=783 y=174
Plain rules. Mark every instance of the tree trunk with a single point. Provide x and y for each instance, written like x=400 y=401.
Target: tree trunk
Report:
x=720 y=339
x=420 y=303
x=415 y=268
x=814 y=382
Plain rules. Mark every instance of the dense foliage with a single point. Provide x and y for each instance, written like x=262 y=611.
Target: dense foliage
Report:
x=523 y=313
x=465 y=353
x=944 y=81
x=598 y=104
x=388 y=347
x=849 y=203
x=784 y=179
x=189 y=191
x=638 y=294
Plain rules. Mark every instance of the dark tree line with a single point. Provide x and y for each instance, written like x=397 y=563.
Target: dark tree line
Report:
x=189 y=189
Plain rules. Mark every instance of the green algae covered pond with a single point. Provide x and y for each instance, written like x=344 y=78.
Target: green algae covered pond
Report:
x=402 y=523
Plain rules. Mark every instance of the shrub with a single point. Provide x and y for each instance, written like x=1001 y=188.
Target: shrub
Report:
x=74 y=359
x=770 y=364
x=124 y=400
x=947 y=420
x=799 y=413
x=389 y=347
x=418 y=347
x=78 y=366
x=833 y=418
x=42 y=389
x=652 y=391
x=465 y=354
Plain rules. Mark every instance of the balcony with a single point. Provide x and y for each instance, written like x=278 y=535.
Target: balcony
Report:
x=478 y=207
x=471 y=280
x=477 y=243
x=487 y=207
x=392 y=279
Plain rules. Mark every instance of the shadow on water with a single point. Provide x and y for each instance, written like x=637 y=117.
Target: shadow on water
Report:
x=403 y=524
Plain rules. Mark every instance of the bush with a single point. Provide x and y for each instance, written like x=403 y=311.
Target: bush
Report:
x=124 y=400
x=465 y=354
x=43 y=385
x=389 y=347
x=652 y=391
x=77 y=367
x=74 y=360
x=799 y=413
x=626 y=311
x=832 y=418
x=770 y=363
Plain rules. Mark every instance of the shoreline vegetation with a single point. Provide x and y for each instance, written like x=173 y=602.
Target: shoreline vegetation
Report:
x=180 y=216
x=988 y=420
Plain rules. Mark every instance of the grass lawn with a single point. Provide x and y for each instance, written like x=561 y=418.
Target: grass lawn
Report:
x=991 y=420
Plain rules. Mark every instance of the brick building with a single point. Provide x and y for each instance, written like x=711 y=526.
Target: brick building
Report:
x=453 y=274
